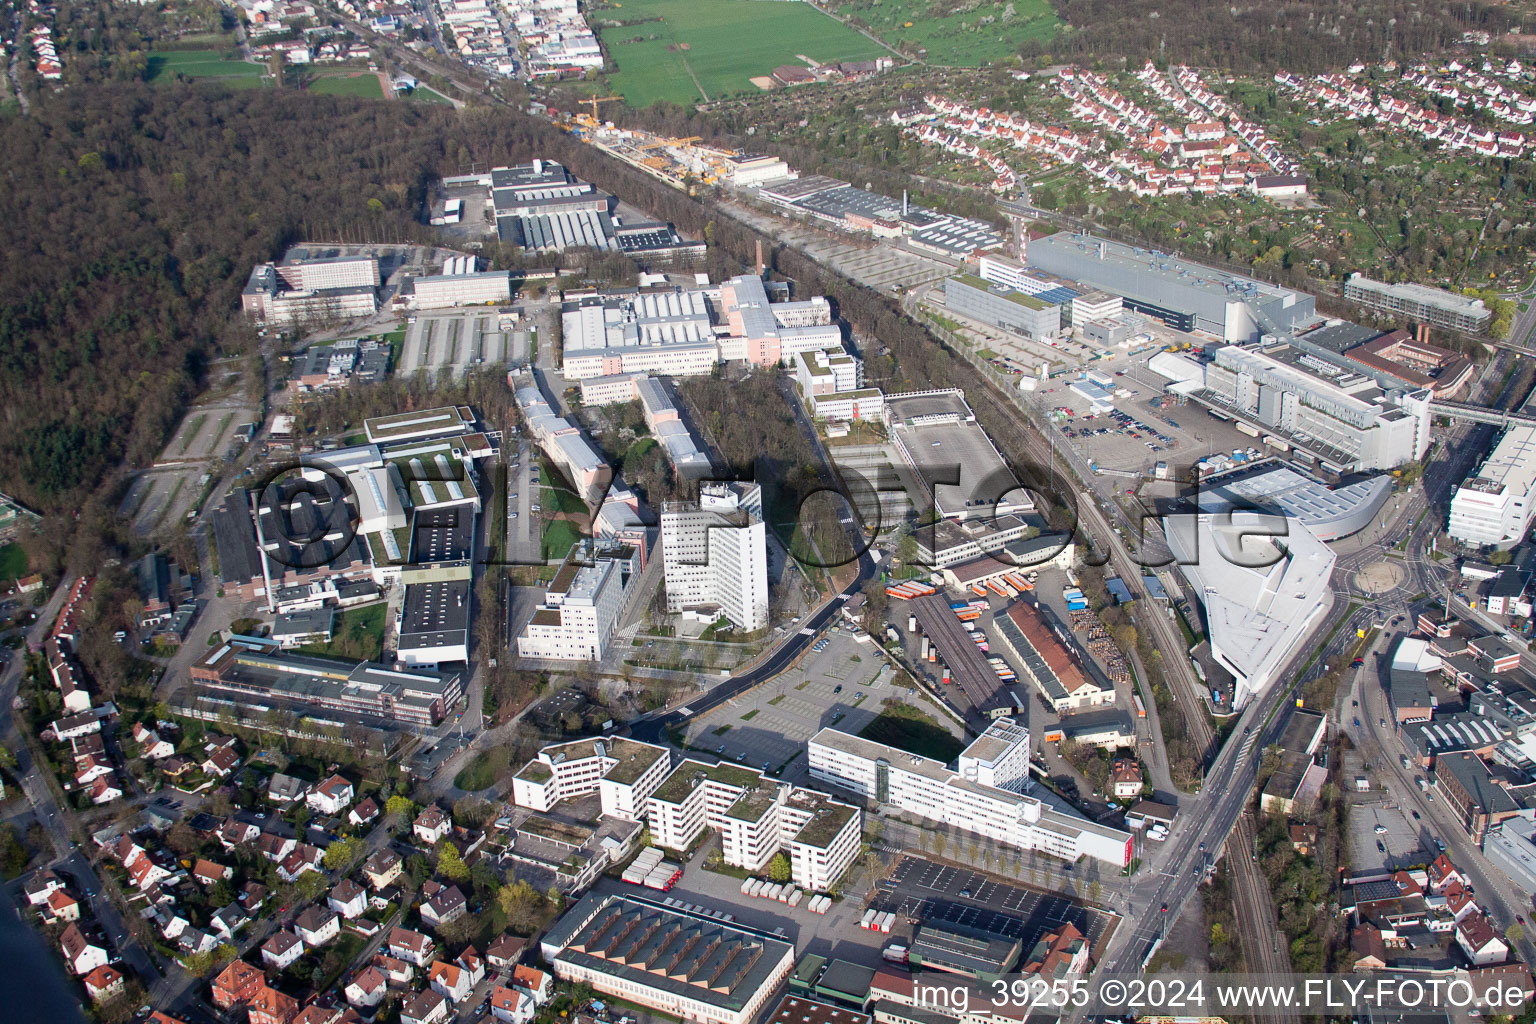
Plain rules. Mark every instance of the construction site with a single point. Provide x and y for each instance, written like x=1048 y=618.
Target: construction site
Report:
x=683 y=163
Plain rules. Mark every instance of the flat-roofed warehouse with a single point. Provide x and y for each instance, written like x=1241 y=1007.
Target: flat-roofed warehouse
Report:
x=939 y=437
x=1185 y=295
x=415 y=426
x=687 y=965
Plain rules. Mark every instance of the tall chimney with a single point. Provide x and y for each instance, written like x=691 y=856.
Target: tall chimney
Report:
x=1421 y=333
x=759 y=257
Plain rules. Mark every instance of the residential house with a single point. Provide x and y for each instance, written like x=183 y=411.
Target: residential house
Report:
x=505 y=951
x=1058 y=954
x=1443 y=874
x=1125 y=779
x=1303 y=839
x=303 y=858
x=285 y=789
x=410 y=946
x=42 y=884
x=314 y=1013
x=382 y=868
x=81 y=954
x=365 y=812
x=275 y=847
x=317 y=926
x=446 y=904
x=431 y=825
x=226 y=921
x=105 y=790
x=151 y=744
x=194 y=940
x=235 y=833
x=252 y=896
x=104 y=984
x=208 y=873
x=1476 y=937
x=448 y=979
x=332 y=796
x=367 y=988
x=425 y=1007
x=220 y=762
x=538 y=984
x=396 y=972
x=269 y=1006
x=348 y=899
x=236 y=984
x=281 y=950
x=471 y=963
x=512 y=1006
x=60 y=906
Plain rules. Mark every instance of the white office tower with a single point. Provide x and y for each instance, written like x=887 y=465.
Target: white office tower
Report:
x=999 y=757
x=1495 y=504
x=715 y=554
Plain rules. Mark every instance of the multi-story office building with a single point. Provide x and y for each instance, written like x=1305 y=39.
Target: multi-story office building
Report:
x=248 y=670
x=756 y=817
x=1002 y=307
x=1494 y=505
x=956 y=797
x=303 y=287
x=827 y=371
x=1184 y=295
x=623 y=772
x=1342 y=419
x=462 y=289
x=581 y=605
x=715 y=554
x=1420 y=303
x=564 y=443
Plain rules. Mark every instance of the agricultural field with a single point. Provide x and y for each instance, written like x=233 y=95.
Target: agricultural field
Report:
x=362 y=84
x=959 y=33
x=165 y=65
x=685 y=51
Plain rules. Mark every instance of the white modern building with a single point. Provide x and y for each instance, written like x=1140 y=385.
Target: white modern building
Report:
x=623 y=772
x=581 y=606
x=827 y=370
x=1494 y=505
x=757 y=817
x=1264 y=582
x=1342 y=419
x=312 y=288
x=715 y=554
x=470 y=288
x=958 y=797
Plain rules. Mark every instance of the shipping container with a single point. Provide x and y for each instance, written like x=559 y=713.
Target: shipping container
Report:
x=1141 y=709
x=887 y=922
x=1245 y=428
x=1275 y=442
x=957 y=605
x=979 y=589
x=868 y=919
x=794 y=897
x=746 y=886
x=911 y=623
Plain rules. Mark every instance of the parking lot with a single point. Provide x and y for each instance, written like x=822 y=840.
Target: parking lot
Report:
x=523 y=526
x=924 y=891
x=844 y=684
x=1404 y=841
x=158 y=499
x=206 y=432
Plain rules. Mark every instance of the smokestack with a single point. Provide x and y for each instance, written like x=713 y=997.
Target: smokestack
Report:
x=903 y=202
x=1101 y=250
x=1422 y=334
x=759 y=257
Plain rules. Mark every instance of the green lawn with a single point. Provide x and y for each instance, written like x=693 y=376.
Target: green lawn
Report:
x=478 y=774
x=905 y=727
x=13 y=562
x=669 y=49
x=364 y=85
x=962 y=38
x=422 y=94
x=356 y=633
x=558 y=537
x=167 y=64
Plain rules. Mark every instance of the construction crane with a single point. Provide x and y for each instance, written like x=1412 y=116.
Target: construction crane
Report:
x=595 y=100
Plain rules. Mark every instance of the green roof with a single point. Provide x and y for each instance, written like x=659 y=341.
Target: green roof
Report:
x=536 y=771
x=1027 y=301
x=752 y=805
x=681 y=782
x=825 y=824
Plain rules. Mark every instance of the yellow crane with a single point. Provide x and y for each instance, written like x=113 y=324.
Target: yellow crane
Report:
x=595 y=100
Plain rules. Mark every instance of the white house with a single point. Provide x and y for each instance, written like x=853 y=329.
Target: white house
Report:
x=281 y=950
x=450 y=981
x=81 y=954
x=367 y=989
x=348 y=899
x=511 y=1005
x=332 y=796
x=317 y=926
